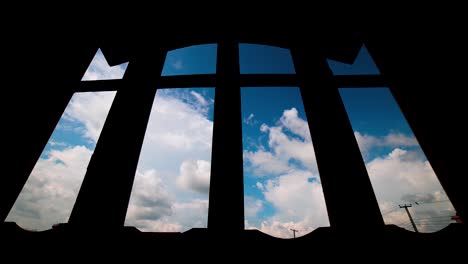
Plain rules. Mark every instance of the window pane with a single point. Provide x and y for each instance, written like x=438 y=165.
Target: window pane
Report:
x=397 y=167
x=48 y=196
x=282 y=186
x=363 y=64
x=256 y=58
x=170 y=191
x=199 y=59
x=99 y=69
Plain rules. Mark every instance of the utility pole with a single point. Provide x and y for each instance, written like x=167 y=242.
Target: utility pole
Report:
x=409 y=215
x=294 y=232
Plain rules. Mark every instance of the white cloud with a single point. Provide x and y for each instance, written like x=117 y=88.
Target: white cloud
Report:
x=99 y=69
x=51 y=190
x=152 y=201
x=403 y=177
x=250 y=119
x=399 y=140
x=177 y=148
x=283 y=148
x=295 y=124
x=299 y=201
x=201 y=100
x=57 y=143
x=154 y=207
x=283 y=229
x=264 y=163
x=177 y=131
x=252 y=206
x=160 y=204
x=404 y=172
x=400 y=177
x=177 y=64
x=90 y=110
x=367 y=142
x=288 y=148
x=260 y=186
x=294 y=193
x=195 y=175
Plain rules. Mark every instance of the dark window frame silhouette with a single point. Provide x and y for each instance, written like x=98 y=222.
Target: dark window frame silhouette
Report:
x=117 y=152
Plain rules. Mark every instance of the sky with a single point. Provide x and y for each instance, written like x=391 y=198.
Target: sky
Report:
x=281 y=181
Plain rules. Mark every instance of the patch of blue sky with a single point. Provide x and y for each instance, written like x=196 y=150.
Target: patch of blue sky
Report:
x=197 y=59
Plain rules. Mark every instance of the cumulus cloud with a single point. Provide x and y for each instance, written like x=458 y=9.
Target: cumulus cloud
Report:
x=283 y=148
x=292 y=187
x=252 y=206
x=288 y=148
x=298 y=200
x=178 y=129
x=99 y=69
x=393 y=139
x=405 y=176
x=195 y=175
x=177 y=148
x=167 y=194
x=264 y=163
x=154 y=207
x=152 y=201
x=90 y=110
x=51 y=190
x=295 y=124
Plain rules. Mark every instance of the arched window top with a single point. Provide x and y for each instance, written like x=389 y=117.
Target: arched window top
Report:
x=256 y=58
x=363 y=64
x=99 y=69
x=197 y=59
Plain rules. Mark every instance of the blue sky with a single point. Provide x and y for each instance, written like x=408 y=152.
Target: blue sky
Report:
x=281 y=180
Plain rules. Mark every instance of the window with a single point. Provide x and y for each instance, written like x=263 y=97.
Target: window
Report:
x=282 y=186
x=398 y=169
x=99 y=69
x=170 y=190
x=48 y=196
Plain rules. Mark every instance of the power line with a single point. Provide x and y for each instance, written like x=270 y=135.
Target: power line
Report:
x=441 y=201
x=409 y=215
x=434 y=217
x=391 y=210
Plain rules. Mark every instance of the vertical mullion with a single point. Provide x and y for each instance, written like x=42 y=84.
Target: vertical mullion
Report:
x=348 y=192
x=106 y=189
x=226 y=207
